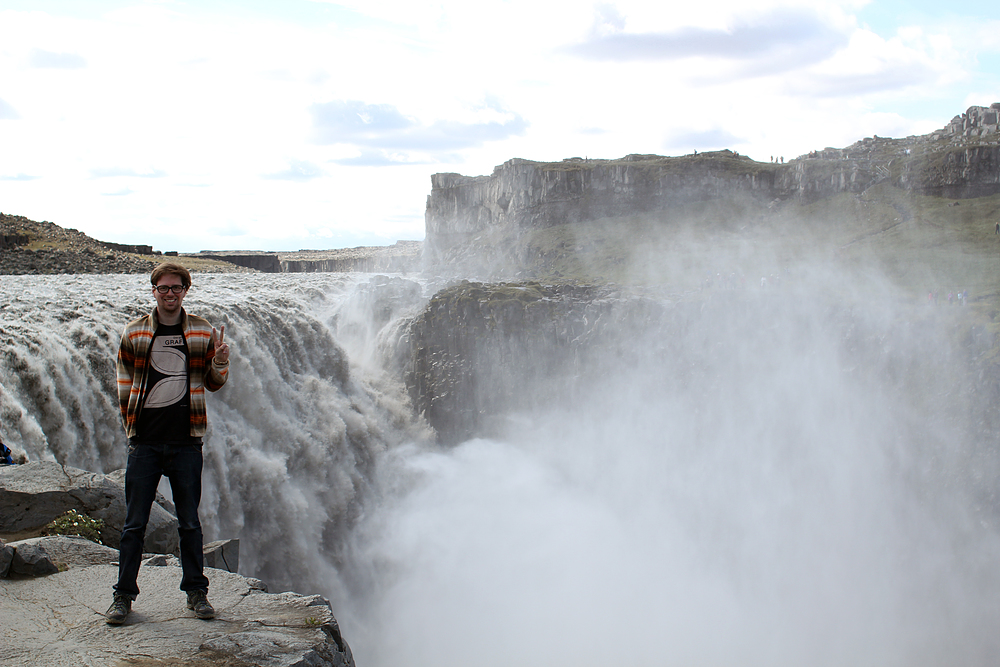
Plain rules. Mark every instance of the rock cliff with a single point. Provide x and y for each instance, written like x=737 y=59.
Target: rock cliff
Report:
x=401 y=257
x=522 y=195
x=480 y=352
x=264 y=262
x=476 y=220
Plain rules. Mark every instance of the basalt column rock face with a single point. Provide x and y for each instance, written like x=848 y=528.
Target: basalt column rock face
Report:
x=819 y=177
x=522 y=195
x=263 y=262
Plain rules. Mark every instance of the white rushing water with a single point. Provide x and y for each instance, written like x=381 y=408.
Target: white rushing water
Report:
x=292 y=437
x=747 y=494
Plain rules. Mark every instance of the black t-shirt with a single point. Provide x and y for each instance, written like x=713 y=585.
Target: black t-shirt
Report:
x=166 y=413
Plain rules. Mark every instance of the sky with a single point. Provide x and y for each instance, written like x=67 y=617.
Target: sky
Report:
x=277 y=125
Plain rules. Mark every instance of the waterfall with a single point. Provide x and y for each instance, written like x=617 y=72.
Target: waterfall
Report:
x=292 y=437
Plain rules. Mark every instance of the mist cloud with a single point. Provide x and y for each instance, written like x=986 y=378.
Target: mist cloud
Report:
x=761 y=470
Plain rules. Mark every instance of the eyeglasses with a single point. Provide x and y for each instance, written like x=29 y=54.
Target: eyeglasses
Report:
x=176 y=289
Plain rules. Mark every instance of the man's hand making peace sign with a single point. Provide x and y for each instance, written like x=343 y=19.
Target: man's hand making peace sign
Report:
x=221 y=347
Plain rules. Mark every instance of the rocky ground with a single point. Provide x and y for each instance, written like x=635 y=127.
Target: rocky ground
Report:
x=30 y=247
x=57 y=620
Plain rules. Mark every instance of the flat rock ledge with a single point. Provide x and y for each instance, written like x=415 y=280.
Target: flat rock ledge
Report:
x=58 y=621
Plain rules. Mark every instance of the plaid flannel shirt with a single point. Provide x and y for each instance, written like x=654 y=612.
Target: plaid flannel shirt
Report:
x=133 y=359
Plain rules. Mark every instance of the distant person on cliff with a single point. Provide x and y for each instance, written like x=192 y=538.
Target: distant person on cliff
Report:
x=166 y=361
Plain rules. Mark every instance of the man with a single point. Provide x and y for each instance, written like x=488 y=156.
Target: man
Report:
x=166 y=361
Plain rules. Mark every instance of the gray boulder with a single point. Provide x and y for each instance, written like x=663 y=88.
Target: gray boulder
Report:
x=6 y=557
x=33 y=494
x=31 y=560
x=39 y=556
x=160 y=560
x=224 y=555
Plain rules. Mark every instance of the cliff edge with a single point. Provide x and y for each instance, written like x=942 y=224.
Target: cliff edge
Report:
x=58 y=621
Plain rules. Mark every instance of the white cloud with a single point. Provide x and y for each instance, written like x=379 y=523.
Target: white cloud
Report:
x=789 y=37
x=49 y=59
x=116 y=172
x=872 y=64
x=124 y=192
x=299 y=171
x=701 y=140
x=7 y=112
x=382 y=126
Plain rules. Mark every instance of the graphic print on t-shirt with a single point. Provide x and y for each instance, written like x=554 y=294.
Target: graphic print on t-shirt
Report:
x=167 y=356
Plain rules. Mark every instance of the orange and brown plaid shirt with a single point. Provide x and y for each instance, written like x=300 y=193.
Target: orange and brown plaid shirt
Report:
x=133 y=358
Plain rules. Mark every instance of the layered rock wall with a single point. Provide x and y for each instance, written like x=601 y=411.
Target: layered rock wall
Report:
x=959 y=161
x=375 y=264
x=960 y=173
x=525 y=194
x=401 y=257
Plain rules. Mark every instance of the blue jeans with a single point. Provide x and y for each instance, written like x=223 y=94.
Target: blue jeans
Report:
x=147 y=462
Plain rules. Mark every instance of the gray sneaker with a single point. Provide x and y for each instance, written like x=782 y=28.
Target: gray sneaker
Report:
x=119 y=609
x=198 y=601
